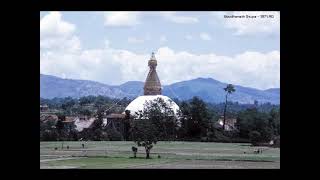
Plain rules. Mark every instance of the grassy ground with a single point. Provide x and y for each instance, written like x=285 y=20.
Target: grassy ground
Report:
x=116 y=154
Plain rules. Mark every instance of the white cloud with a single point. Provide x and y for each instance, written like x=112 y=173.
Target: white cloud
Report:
x=121 y=18
x=53 y=25
x=245 y=26
x=107 y=43
x=163 y=39
x=132 y=18
x=174 y=17
x=205 y=36
x=57 y=34
x=135 y=40
x=188 y=37
x=115 y=66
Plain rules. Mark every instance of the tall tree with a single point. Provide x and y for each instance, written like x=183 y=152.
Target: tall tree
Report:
x=198 y=122
x=185 y=119
x=229 y=90
x=127 y=120
x=274 y=121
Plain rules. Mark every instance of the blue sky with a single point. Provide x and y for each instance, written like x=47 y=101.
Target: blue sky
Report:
x=114 y=47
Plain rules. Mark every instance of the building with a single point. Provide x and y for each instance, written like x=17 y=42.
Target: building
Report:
x=44 y=108
x=83 y=122
x=69 y=122
x=230 y=123
x=152 y=90
x=48 y=117
x=115 y=121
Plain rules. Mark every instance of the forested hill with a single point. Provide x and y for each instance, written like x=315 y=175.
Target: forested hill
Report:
x=207 y=89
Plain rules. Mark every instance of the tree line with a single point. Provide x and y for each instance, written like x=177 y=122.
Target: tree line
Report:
x=196 y=121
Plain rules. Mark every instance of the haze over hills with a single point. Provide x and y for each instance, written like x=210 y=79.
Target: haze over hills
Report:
x=208 y=89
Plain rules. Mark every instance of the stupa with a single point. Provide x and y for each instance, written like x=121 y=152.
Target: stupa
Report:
x=152 y=90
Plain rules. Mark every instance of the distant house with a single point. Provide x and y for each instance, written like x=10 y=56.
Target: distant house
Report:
x=48 y=117
x=83 y=118
x=44 y=108
x=89 y=106
x=83 y=122
x=115 y=121
x=230 y=123
x=69 y=121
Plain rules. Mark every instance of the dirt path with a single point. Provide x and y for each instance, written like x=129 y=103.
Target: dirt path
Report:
x=209 y=164
x=58 y=159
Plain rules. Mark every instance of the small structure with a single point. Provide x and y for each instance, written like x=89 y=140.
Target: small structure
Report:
x=230 y=123
x=276 y=141
x=83 y=122
x=116 y=121
x=44 y=108
x=83 y=118
x=48 y=117
x=69 y=122
x=69 y=119
x=89 y=106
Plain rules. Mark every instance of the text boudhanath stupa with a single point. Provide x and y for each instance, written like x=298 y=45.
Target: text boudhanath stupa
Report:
x=152 y=90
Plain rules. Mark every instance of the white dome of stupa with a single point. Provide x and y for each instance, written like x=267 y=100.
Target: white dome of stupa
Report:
x=138 y=104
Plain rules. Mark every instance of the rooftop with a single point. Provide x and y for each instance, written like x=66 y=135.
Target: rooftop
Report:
x=116 y=116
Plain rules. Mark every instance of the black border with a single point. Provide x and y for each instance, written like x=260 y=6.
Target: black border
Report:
x=25 y=84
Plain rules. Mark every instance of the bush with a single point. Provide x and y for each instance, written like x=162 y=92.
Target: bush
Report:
x=255 y=137
x=114 y=135
x=204 y=139
x=276 y=142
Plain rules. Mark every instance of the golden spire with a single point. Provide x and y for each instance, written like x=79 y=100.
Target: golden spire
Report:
x=152 y=86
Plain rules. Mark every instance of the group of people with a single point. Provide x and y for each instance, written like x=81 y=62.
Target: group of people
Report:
x=256 y=151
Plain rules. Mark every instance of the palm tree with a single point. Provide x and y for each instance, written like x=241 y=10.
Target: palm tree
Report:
x=229 y=89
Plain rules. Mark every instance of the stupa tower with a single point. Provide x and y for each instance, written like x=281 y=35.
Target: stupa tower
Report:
x=152 y=84
x=152 y=91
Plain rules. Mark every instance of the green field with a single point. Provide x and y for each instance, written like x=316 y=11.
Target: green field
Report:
x=176 y=155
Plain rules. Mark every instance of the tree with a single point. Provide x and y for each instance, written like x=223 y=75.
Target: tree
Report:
x=145 y=134
x=199 y=118
x=60 y=127
x=84 y=111
x=156 y=121
x=96 y=129
x=229 y=90
x=134 y=150
x=127 y=121
x=67 y=104
x=185 y=119
x=274 y=121
x=255 y=137
x=114 y=135
x=97 y=124
x=253 y=120
x=162 y=116
x=195 y=119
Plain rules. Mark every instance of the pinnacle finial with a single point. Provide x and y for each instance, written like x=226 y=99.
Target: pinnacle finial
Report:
x=152 y=56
